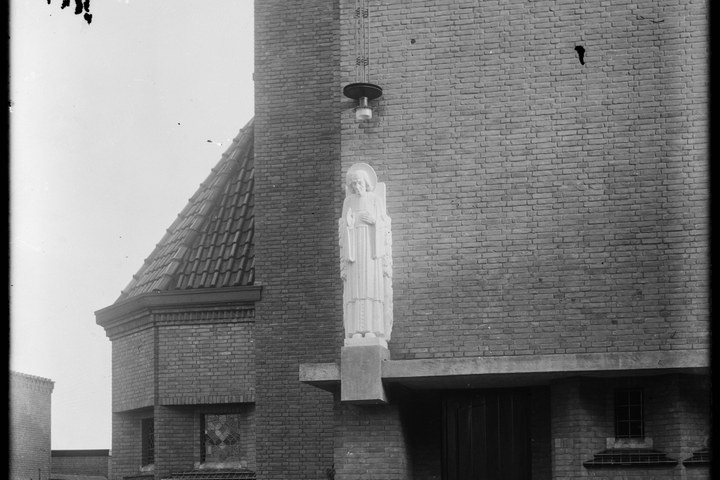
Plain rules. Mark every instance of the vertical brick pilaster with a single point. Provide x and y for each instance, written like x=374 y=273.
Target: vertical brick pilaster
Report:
x=297 y=202
x=370 y=442
x=126 y=456
x=176 y=440
x=678 y=419
x=578 y=427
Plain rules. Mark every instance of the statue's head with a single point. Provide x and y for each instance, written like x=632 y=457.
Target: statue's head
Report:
x=358 y=180
x=360 y=174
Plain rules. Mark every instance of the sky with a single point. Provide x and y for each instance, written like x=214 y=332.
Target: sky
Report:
x=113 y=126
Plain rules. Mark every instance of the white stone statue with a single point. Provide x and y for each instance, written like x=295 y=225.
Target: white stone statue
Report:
x=366 y=259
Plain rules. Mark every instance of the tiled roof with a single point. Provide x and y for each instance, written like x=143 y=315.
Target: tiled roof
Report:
x=210 y=244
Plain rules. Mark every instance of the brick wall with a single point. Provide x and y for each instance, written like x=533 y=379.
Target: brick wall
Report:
x=126 y=456
x=579 y=426
x=664 y=425
x=370 y=442
x=29 y=426
x=133 y=370
x=191 y=359
x=539 y=205
x=176 y=440
x=81 y=462
x=679 y=416
x=676 y=418
x=696 y=423
x=698 y=473
x=211 y=363
x=297 y=203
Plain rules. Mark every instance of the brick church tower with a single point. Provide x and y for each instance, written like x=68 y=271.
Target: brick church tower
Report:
x=546 y=167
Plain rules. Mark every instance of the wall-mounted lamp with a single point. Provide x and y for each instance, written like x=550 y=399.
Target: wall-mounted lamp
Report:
x=362 y=92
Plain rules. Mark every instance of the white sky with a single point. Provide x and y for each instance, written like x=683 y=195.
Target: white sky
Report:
x=109 y=130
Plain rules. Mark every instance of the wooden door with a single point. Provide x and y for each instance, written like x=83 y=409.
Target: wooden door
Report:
x=487 y=435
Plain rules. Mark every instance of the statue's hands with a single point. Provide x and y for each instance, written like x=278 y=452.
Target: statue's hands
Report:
x=366 y=217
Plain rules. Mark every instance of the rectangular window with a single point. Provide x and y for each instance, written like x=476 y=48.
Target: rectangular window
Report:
x=148 y=441
x=221 y=438
x=629 y=421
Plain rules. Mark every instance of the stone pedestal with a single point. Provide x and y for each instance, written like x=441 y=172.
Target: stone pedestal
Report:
x=361 y=374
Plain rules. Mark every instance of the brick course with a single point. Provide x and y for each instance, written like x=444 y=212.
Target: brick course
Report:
x=81 y=462
x=206 y=363
x=370 y=442
x=133 y=371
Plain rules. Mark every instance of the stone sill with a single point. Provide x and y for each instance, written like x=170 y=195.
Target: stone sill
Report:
x=613 y=443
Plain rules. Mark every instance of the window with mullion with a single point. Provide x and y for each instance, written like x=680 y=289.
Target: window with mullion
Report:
x=629 y=421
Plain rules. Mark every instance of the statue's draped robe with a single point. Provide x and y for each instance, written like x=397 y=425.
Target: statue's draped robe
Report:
x=365 y=267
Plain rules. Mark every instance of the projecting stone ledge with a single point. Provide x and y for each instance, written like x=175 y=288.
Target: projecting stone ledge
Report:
x=321 y=375
x=488 y=372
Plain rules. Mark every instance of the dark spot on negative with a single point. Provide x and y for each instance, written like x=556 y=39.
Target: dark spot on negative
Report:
x=80 y=6
x=581 y=54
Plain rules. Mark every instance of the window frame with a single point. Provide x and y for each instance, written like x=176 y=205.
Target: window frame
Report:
x=203 y=438
x=629 y=413
x=147 y=442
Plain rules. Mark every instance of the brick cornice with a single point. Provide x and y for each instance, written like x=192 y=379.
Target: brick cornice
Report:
x=245 y=397
x=218 y=305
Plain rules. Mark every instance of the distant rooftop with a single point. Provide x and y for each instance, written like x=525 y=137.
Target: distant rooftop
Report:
x=62 y=476
x=31 y=378
x=22 y=382
x=210 y=244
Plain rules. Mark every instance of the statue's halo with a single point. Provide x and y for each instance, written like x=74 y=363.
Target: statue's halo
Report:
x=364 y=167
